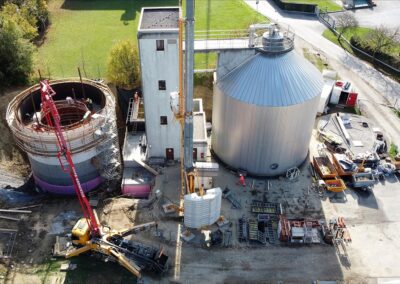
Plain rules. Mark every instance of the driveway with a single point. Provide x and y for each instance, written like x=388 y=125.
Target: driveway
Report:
x=387 y=13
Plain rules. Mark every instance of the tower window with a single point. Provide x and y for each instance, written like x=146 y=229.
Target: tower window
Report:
x=163 y=120
x=161 y=85
x=160 y=44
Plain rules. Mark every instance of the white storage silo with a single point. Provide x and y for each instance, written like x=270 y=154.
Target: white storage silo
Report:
x=264 y=109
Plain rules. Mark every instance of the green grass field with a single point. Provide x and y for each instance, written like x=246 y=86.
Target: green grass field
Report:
x=316 y=60
x=82 y=32
x=324 y=5
x=359 y=31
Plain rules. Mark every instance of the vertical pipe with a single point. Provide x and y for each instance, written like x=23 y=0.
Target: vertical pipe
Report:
x=73 y=93
x=181 y=103
x=83 y=88
x=34 y=108
x=189 y=67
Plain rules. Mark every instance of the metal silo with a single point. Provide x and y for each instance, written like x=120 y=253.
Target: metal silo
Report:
x=264 y=109
x=88 y=119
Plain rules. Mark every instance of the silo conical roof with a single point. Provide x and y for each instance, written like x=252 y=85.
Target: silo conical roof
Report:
x=273 y=80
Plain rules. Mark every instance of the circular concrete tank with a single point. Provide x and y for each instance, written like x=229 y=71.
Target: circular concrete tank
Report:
x=264 y=110
x=87 y=112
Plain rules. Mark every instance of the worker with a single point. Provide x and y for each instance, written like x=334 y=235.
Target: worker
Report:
x=136 y=97
x=241 y=180
x=69 y=100
x=89 y=103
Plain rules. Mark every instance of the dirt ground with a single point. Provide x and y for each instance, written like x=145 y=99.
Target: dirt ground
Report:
x=11 y=159
x=373 y=220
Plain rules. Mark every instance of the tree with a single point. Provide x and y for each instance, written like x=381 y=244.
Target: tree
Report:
x=22 y=17
x=16 y=54
x=42 y=14
x=35 y=12
x=382 y=38
x=123 y=65
x=345 y=21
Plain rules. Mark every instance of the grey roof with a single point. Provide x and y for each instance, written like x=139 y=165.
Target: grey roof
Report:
x=199 y=127
x=280 y=80
x=160 y=18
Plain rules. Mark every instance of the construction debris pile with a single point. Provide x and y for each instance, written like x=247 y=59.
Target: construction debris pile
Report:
x=299 y=230
x=262 y=228
x=310 y=231
x=355 y=158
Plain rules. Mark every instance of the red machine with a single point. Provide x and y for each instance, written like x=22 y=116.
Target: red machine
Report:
x=112 y=245
x=53 y=120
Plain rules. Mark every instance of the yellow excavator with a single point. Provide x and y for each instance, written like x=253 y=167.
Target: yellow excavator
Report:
x=112 y=244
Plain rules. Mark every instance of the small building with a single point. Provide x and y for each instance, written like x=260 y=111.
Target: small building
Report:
x=138 y=178
x=200 y=143
x=158 y=34
x=137 y=182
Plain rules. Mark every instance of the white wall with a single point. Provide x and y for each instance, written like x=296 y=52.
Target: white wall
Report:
x=201 y=148
x=160 y=65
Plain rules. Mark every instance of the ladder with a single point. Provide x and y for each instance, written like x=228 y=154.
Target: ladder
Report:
x=129 y=114
x=270 y=232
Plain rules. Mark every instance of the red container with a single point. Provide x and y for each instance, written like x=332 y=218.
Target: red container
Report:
x=351 y=99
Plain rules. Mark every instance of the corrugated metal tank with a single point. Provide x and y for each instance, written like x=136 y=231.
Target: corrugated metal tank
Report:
x=264 y=111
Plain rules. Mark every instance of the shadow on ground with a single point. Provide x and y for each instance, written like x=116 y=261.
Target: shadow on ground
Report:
x=130 y=7
x=91 y=270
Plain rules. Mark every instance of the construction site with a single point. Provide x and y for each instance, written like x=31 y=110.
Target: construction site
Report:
x=285 y=183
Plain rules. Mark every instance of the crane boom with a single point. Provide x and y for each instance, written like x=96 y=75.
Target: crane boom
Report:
x=53 y=120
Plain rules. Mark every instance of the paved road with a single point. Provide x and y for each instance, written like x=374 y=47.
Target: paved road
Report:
x=376 y=90
x=387 y=12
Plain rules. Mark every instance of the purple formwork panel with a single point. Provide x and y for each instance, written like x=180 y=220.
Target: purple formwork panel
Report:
x=137 y=191
x=67 y=189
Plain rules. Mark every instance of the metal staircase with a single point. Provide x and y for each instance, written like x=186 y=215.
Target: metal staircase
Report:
x=108 y=153
x=133 y=112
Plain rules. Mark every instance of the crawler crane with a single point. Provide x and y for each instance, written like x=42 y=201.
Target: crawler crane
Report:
x=87 y=234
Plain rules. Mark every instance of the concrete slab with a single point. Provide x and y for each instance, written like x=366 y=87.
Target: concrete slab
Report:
x=373 y=221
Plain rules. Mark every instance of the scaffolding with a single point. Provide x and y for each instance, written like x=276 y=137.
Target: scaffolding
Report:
x=92 y=132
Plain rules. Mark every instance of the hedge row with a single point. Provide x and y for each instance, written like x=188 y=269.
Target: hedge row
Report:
x=389 y=59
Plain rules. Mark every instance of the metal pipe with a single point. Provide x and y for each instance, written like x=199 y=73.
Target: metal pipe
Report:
x=34 y=107
x=83 y=88
x=73 y=93
x=181 y=103
x=189 y=67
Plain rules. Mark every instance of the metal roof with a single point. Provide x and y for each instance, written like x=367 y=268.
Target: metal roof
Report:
x=160 y=18
x=199 y=127
x=279 y=80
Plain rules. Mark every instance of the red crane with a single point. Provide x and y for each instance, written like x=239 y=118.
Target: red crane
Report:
x=53 y=120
